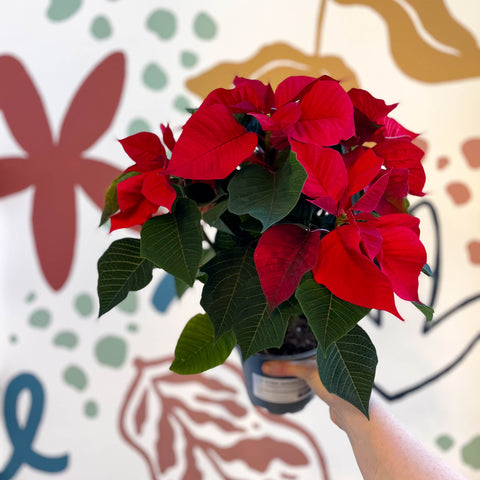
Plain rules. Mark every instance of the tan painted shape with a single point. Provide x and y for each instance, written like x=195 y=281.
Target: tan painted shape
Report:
x=413 y=54
x=272 y=64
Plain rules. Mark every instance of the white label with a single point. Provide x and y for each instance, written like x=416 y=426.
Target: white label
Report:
x=280 y=390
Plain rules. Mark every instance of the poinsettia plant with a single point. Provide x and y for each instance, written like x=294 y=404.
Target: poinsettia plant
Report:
x=305 y=190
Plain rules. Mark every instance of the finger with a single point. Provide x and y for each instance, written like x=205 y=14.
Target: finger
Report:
x=289 y=369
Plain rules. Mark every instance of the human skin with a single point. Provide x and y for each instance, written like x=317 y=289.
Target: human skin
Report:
x=383 y=448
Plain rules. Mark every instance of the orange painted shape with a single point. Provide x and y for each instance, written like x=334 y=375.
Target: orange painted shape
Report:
x=459 y=192
x=471 y=150
x=474 y=251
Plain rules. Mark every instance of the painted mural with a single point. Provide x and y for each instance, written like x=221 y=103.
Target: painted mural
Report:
x=87 y=398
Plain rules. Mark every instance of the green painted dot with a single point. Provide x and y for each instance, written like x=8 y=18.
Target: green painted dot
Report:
x=204 y=26
x=62 y=9
x=13 y=338
x=111 y=351
x=181 y=103
x=30 y=297
x=40 y=319
x=132 y=327
x=84 y=304
x=445 y=442
x=138 y=125
x=471 y=453
x=154 y=77
x=101 y=28
x=188 y=59
x=75 y=377
x=163 y=23
x=130 y=304
x=66 y=339
x=91 y=409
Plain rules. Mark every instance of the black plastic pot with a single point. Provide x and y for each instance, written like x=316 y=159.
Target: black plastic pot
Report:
x=277 y=394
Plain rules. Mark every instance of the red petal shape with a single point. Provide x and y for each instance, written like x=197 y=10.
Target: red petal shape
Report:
x=289 y=89
x=375 y=109
x=283 y=254
x=146 y=150
x=94 y=105
x=393 y=200
x=362 y=166
x=402 y=153
x=369 y=201
x=157 y=189
x=351 y=275
x=327 y=176
x=15 y=175
x=168 y=137
x=327 y=115
x=402 y=260
x=211 y=145
x=22 y=107
x=136 y=215
x=286 y=115
x=54 y=226
x=129 y=191
x=247 y=96
x=392 y=129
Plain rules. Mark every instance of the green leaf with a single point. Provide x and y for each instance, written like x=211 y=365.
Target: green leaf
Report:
x=349 y=368
x=121 y=269
x=267 y=196
x=234 y=300
x=230 y=276
x=259 y=329
x=329 y=317
x=111 y=203
x=426 y=310
x=180 y=287
x=427 y=270
x=197 y=349
x=212 y=216
x=173 y=241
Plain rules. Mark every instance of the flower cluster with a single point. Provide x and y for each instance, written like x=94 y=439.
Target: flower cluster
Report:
x=306 y=186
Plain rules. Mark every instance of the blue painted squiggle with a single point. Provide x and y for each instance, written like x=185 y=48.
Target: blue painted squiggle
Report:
x=22 y=437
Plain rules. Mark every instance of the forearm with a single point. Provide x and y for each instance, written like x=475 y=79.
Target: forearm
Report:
x=384 y=450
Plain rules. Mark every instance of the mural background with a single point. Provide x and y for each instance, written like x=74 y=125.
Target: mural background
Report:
x=87 y=398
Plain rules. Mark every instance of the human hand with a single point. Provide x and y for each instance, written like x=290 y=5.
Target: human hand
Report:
x=340 y=410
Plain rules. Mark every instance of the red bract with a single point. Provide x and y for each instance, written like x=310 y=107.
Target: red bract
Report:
x=140 y=196
x=366 y=262
x=211 y=145
x=283 y=255
x=327 y=178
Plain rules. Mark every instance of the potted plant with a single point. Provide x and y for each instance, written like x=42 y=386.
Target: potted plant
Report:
x=305 y=190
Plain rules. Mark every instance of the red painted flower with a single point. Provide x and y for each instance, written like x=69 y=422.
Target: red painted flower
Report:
x=55 y=168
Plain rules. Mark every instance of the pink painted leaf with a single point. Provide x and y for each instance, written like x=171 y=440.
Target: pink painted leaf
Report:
x=175 y=436
x=211 y=145
x=22 y=107
x=94 y=105
x=284 y=253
